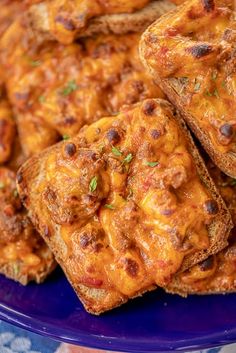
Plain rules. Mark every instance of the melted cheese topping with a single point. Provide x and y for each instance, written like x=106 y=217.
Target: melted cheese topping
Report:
x=7 y=131
x=194 y=49
x=56 y=89
x=125 y=198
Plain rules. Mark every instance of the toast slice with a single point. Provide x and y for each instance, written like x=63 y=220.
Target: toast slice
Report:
x=217 y=273
x=24 y=256
x=66 y=21
x=190 y=52
x=125 y=205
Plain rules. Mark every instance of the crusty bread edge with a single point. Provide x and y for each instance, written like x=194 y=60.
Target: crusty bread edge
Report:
x=106 y=24
x=177 y=287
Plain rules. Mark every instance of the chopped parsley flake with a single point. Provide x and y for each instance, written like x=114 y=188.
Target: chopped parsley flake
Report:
x=93 y=184
x=152 y=164
x=116 y=151
x=128 y=158
x=15 y=193
x=42 y=99
x=69 y=88
x=197 y=86
x=35 y=63
x=65 y=137
x=223 y=84
x=214 y=75
x=208 y=93
x=216 y=93
x=16 y=269
x=110 y=207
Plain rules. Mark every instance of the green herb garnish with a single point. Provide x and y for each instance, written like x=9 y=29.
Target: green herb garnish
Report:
x=152 y=164
x=223 y=84
x=216 y=93
x=208 y=93
x=116 y=151
x=42 y=99
x=69 y=88
x=197 y=87
x=15 y=193
x=16 y=269
x=127 y=159
x=93 y=184
x=65 y=137
x=214 y=75
x=110 y=207
x=35 y=63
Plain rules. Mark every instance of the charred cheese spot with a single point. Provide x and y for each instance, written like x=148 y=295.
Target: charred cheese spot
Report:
x=207 y=264
x=208 y=5
x=200 y=50
x=70 y=149
x=65 y=22
x=149 y=107
x=227 y=130
x=211 y=207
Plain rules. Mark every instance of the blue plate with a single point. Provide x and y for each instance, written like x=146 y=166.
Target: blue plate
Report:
x=157 y=322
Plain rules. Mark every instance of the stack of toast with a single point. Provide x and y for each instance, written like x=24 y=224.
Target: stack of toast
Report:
x=102 y=100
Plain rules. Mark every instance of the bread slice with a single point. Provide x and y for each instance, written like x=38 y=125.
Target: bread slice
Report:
x=121 y=23
x=125 y=205
x=217 y=273
x=24 y=256
x=190 y=54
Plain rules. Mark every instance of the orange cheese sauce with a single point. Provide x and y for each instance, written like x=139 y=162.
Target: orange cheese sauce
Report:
x=7 y=130
x=217 y=273
x=67 y=18
x=56 y=89
x=126 y=199
x=196 y=47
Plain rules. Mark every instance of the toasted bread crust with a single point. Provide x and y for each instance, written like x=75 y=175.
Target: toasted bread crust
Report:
x=98 y=300
x=113 y=23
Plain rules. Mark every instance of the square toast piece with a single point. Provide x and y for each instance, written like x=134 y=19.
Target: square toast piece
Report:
x=217 y=273
x=125 y=204
x=190 y=52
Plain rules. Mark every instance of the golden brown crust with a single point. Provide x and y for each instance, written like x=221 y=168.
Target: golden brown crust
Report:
x=79 y=198
x=198 y=88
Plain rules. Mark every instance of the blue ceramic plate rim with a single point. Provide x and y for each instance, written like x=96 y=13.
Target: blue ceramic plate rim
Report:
x=144 y=325
x=114 y=343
